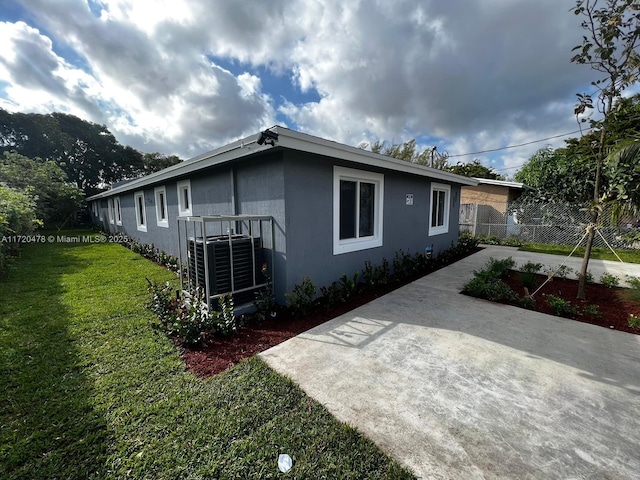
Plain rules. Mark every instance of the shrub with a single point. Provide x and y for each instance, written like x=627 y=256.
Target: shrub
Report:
x=493 y=290
x=562 y=271
x=528 y=302
x=634 y=321
x=301 y=300
x=634 y=283
x=609 y=280
x=467 y=242
x=264 y=299
x=495 y=269
x=189 y=319
x=588 y=276
x=529 y=273
x=512 y=242
x=560 y=306
x=591 y=311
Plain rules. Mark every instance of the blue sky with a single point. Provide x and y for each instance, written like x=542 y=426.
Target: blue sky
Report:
x=186 y=76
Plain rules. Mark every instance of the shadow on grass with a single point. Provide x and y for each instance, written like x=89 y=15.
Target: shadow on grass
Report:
x=48 y=425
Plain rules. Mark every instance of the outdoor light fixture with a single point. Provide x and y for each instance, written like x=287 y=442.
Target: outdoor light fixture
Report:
x=267 y=137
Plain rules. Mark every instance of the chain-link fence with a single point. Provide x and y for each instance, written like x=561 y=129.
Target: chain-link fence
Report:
x=552 y=223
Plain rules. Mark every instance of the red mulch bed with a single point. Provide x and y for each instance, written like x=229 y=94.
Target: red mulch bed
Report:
x=221 y=353
x=614 y=303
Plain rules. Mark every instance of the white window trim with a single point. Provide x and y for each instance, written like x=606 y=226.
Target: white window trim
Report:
x=439 y=230
x=182 y=211
x=160 y=194
x=110 y=210
x=141 y=226
x=117 y=207
x=356 y=244
x=96 y=208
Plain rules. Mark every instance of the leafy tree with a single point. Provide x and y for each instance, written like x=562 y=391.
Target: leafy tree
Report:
x=55 y=199
x=475 y=169
x=609 y=48
x=557 y=176
x=154 y=162
x=408 y=151
x=17 y=217
x=87 y=152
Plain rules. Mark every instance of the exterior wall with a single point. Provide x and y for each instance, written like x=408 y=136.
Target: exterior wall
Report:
x=309 y=222
x=251 y=187
x=296 y=189
x=493 y=195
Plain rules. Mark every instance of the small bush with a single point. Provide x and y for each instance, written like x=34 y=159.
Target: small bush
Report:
x=634 y=321
x=528 y=302
x=562 y=271
x=634 y=291
x=512 y=242
x=560 y=306
x=493 y=290
x=592 y=311
x=528 y=274
x=301 y=300
x=467 y=242
x=588 y=276
x=609 y=280
x=495 y=269
x=264 y=299
x=189 y=319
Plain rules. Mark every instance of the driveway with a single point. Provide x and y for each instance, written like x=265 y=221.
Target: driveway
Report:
x=459 y=388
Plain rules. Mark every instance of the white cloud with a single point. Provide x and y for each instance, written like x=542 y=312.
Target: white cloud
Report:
x=472 y=75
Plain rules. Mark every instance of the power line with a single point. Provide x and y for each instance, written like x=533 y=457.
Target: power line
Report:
x=515 y=146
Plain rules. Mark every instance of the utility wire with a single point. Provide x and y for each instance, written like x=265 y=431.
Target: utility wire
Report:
x=514 y=146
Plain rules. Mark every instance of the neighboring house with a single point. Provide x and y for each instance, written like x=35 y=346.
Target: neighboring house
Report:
x=333 y=206
x=485 y=205
x=494 y=193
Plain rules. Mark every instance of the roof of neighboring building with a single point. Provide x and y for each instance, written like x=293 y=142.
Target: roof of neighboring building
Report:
x=501 y=183
x=287 y=139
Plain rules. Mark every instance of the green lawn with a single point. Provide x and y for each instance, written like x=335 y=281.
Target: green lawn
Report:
x=89 y=390
x=631 y=256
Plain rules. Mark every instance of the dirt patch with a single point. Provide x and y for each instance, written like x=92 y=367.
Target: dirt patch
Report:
x=614 y=304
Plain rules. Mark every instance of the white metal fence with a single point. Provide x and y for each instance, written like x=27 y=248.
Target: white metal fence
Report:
x=551 y=223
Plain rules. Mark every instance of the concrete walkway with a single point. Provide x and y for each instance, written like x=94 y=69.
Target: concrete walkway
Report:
x=459 y=388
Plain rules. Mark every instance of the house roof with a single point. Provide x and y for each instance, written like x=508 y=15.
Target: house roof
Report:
x=501 y=183
x=287 y=139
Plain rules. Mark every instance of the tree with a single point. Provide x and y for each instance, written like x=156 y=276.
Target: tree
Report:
x=609 y=48
x=55 y=199
x=557 y=176
x=475 y=169
x=87 y=152
x=154 y=162
x=408 y=152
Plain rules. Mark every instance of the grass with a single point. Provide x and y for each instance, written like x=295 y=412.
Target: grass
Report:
x=89 y=390
x=630 y=256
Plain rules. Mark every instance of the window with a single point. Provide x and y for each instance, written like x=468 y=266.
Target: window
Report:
x=141 y=214
x=95 y=209
x=100 y=209
x=357 y=210
x=184 y=198
x=110 y=208
x=439 y=214
x=161 y=207
x=118 y=210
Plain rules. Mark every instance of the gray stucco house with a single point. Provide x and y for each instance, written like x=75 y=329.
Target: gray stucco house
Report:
x=333 y=206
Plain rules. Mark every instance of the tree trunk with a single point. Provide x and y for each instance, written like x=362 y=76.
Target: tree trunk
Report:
x=582 y=279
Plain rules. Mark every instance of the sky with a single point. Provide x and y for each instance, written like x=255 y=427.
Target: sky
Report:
x=186 y=76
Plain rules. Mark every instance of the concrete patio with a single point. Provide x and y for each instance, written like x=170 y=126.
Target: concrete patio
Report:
x=459 y=388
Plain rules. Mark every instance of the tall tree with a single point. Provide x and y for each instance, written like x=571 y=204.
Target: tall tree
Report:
x=56 y=200
x=154 y=162
x=88 y=153
x=608 y=47
x=557 y=176
x=475 y=169
x=408 y=151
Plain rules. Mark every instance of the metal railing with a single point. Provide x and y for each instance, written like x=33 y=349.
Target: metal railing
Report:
x=196 y=230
